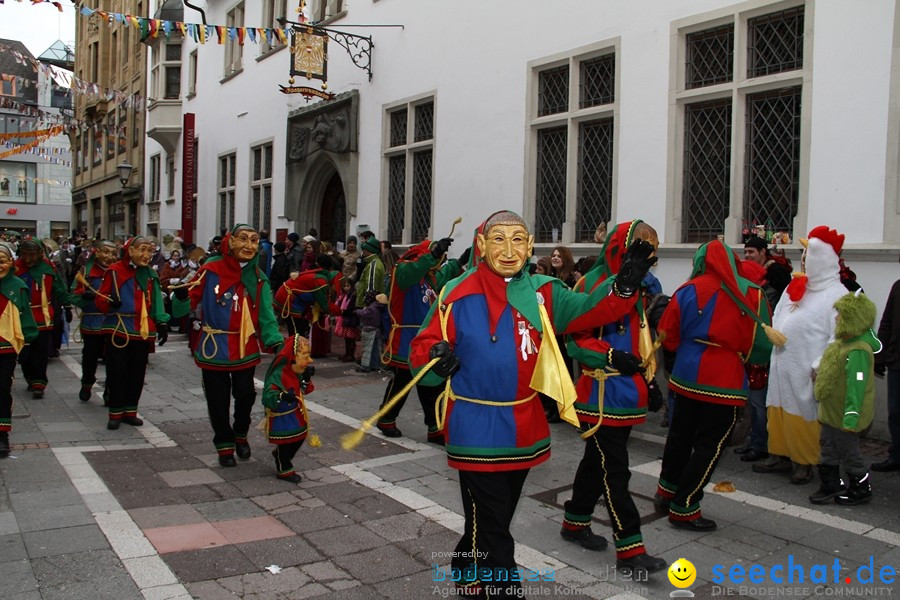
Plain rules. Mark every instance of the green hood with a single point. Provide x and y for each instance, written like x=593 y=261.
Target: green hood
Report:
x=857 y=316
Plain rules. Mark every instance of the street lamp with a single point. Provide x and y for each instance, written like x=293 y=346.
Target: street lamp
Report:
x=124 y=170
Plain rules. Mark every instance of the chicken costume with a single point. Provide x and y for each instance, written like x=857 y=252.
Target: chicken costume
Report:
x=806 y=316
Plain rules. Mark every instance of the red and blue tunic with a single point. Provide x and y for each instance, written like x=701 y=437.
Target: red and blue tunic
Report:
x=92 y=318
x=495 y=421
x=286 y=421
x=415 y=285
x=297 y=297
x=13 y=307
x=44 y=283
x=139 y=291
x=714 y=335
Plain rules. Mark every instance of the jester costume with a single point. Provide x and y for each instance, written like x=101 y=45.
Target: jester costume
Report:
x=237 y=321
x=44 y=285
x=609 y=404
x=417 y=279
x=301 y=301
x=714 y=324
x=17 y=327
x=131 y=298
x=93 y=336
x=502 y=329
x=283 y=397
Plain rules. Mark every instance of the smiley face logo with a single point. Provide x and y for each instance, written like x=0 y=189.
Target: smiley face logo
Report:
x=682 y=573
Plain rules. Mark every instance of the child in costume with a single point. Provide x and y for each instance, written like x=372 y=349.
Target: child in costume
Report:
x=845 y=391
x=347 y=324
x=288 y=379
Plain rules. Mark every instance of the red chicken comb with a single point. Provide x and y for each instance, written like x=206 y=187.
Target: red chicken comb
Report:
x=829 y=236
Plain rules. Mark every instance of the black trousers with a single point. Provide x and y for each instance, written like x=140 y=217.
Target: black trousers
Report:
x=34 y=358
x=489 y=503
x=428 y=396
x=284 y=454
x=603 y=470
x=91 y=352
x=697 y=437
x=125 y=370
x=7 y=370
x=297 y=325
x=219 y=387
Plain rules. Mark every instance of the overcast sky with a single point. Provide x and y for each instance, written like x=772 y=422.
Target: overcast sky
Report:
x=37 y=25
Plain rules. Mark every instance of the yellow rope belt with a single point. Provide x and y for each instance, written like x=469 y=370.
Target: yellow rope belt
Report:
x=601 y=375
x=440 y=407
x=386 y=350
x=121 y=328
x=708 y=343
x=211 y=336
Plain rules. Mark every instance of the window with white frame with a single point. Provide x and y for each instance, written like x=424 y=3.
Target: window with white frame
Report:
x=165 y=74
x=233 y=49
x=272 y=10
x=170 y=178
x=409 y=168
x=743 y=74
x=572 y=141
x=261 y=187
x=227 y=166
x=154 y=178
x=192 y=72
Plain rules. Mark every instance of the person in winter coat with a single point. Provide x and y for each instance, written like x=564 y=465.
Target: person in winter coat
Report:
x=845 y=391
x=888 y=362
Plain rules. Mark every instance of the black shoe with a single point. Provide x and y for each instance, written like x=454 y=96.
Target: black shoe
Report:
x=585 y=537
x=661 y=504
x=133 y=421
x=292 y=478
x=699 y=524
x=886 y=466
x=439 y=440
x=742 y=450
x=775 y=464
x=85 y=394
x=227 y=460
x=4 y=445
x=30 y=387
x=37 y=394
x=640 y=563
x=393 y=432
x=754 y=455
x=242 y=449
x=113 y=424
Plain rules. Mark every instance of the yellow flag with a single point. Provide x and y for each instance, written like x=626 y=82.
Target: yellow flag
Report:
x=45 y=306
x=551 y=374
x=247 y=328
x=145 y=321
x=11 y=327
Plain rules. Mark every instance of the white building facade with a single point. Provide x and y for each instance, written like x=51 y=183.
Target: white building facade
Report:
x=702 y=117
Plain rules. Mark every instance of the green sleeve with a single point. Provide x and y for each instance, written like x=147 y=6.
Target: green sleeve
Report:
x=26 y=318
x=271 y=395
x=156 y=302
x=569 y=305
x=761 y=352
x=450 y=270
x=268 y=325
x=858 y=371
x=180 y=308
x=379 y=276
x=409 y=273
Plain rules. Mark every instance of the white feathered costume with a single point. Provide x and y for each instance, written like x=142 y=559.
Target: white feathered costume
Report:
x=807 y=318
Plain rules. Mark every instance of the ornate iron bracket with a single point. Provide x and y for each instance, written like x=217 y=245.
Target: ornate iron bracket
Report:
x=357 y=46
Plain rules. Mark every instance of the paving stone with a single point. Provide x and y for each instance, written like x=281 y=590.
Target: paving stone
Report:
x=64 y=541
x=189 y=536
x=210 y=563
x=191 y=477
x=260 y=485
x=385 y=563
x=325 y=570
x=209 y=590
x=340 y=541
x=17 y=577
x=165 y=516
x=360 y=593
x=227 y=510
x=8 y=523
x=76 y=572
x=12 y=548
x=413 y=586
x=284 y=552
x=273 y=501
x=397 y=528
x=290 y=582
x=252 y=529
x=314 y=519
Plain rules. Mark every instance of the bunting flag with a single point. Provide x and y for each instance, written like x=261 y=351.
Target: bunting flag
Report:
x=71 y=123
x=197 y=32
x=38 y=132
